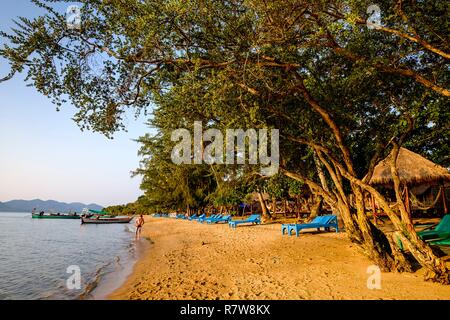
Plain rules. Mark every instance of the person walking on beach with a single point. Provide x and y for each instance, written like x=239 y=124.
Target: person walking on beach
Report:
x=139 y=223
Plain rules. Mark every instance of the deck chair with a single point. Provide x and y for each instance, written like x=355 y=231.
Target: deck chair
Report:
x=440 y=231
x=212 y=217
x=224 y=219
x=202 y=216
x=438 y=235
x=253 y=219
x=206 y=218
x=327 y=222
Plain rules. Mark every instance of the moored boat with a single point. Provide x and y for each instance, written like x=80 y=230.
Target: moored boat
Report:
x=104 y=220
x=54 y=216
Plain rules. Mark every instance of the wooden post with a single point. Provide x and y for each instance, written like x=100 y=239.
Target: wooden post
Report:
x=274 y=205
x=444 y=200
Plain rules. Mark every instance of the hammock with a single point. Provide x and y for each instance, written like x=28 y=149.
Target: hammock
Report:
x=423 y=206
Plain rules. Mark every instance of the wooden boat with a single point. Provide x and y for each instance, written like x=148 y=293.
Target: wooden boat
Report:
x=104 y=220
x=54 y=216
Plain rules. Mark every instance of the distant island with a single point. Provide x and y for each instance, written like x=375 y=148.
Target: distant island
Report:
x=48 y=205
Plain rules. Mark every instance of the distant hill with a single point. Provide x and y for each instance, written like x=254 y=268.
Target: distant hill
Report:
x=41 y=205
x=5 y=208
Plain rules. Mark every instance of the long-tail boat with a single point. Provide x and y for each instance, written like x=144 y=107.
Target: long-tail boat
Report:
x=102 y=217
x=105 y=220
x=43 y=215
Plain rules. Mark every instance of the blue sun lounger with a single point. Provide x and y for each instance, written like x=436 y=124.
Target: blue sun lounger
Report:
x=326 y=222
x=201 y=220
x=253 y=219
x=442 y=229
x=202 y=216
x=192 y=217
x=210 y=218
x=224 y=219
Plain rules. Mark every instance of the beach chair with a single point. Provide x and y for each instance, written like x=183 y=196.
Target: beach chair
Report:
x=439 y=232
x=327 y=222
x=253 y=219
x=212 y=218
x=438 y=235
x=202 y=216
x=224 y=219
x=193 y=217
x=208 y=218
x=444 y=241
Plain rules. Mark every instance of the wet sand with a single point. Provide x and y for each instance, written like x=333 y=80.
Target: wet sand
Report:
x=112 y=281
x=189 y=260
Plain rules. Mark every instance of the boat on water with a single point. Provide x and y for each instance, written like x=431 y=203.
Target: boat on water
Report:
x=43 y=215
x=105 y=220
x=54 y=216
x=101 y=217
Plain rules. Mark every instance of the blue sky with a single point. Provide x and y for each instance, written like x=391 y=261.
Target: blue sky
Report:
x=43 y=153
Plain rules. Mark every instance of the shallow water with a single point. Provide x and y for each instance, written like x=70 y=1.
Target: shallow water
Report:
x=35 y=255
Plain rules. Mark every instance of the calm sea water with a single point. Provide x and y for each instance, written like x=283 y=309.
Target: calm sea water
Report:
x=35 y=255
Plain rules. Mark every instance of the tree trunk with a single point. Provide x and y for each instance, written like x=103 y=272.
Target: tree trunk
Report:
x=376 y=243
x=265 y=212
x=359 y=228
x=370 y=239
x=436 y=269
x=320 y=173
x=316 y=208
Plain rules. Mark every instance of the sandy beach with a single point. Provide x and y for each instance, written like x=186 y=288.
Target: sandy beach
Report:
x=189 y=260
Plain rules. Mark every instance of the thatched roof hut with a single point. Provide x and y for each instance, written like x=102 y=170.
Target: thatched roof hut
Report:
x=413 y=169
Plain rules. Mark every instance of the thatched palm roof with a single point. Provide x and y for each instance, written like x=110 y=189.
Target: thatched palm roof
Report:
x=412 y=169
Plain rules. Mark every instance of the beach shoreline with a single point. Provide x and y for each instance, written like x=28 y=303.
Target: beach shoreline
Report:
x=189 y=260
x=115 y=279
